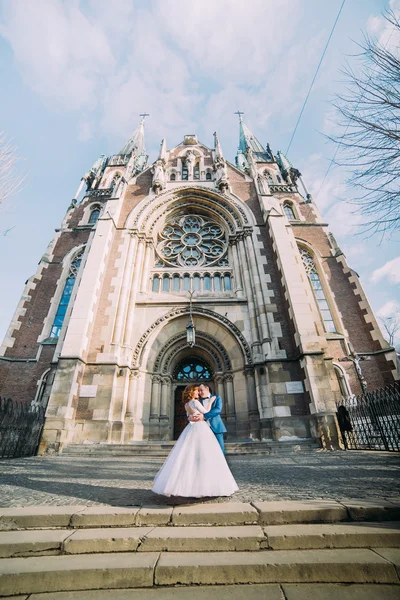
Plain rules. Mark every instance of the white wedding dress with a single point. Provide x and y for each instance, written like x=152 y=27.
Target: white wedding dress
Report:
x=196 y=466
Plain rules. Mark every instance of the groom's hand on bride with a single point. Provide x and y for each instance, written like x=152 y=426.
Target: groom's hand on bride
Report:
x=196 y=417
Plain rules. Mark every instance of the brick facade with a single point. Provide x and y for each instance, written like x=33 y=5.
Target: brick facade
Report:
x=109 y=376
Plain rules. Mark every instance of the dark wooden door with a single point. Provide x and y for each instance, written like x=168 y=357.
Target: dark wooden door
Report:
x=180 y=420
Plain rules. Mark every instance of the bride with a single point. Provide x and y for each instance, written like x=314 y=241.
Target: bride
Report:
x=196 y=466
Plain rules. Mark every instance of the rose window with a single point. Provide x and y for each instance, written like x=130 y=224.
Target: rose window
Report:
x=192 y=241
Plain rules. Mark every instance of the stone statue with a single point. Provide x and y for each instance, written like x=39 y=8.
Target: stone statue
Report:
x=158 y=176
x=221 y=178
x=263 y=186
x=190 y=161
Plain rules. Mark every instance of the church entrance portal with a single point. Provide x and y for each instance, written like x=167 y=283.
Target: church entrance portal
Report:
x=190 y=370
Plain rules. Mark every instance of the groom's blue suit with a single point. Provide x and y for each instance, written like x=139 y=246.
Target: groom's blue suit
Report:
x=216 y=424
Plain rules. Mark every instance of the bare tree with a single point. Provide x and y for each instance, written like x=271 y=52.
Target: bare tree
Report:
x=391 y=325
x=369 y=138
x=11 y=178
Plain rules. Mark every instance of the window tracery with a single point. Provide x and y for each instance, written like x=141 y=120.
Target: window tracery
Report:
x=192 y=241
x=66 y=295
x=312 y=272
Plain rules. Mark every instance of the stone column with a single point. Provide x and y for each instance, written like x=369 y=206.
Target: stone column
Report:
x=165 y=398
x=154 y=426
x=230 y=403
x=254 y=415
x=125 y=289
x=260 y=307
x=255 y=340
x=132 y=297
x=237 y=270
x=219 y=381
x=132 y=394
x=145 y=273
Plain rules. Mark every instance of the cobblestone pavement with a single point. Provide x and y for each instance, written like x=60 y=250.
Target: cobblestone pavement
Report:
x=127 y=481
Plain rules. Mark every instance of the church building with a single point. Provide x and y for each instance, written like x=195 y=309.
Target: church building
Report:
x=192 y=269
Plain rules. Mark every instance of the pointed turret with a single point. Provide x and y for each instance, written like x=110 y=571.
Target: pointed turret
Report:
x=163 y=151
x=135 y=144
x=221 y=178
x=248 y=142
x=218 y=149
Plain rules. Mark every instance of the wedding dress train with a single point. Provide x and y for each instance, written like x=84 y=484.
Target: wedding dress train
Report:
x=196 y=466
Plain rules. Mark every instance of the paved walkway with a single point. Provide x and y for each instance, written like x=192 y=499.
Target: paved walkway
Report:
x=127 y=481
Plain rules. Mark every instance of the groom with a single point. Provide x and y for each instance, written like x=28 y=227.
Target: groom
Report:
x=213 y=416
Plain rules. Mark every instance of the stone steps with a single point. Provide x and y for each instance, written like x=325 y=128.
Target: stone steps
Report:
x=198 y=539
x=199 y=514
x=148 y=569
x=71 y=548
x=258 y=591
x=162 y=449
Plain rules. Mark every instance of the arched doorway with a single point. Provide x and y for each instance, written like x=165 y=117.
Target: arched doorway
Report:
x=190 y=369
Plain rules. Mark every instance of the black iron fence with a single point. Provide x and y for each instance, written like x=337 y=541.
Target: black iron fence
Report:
x=371 y=421
x=20 y=428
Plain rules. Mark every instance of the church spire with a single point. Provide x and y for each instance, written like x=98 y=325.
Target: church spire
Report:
x=135 y=144
x=249 y=142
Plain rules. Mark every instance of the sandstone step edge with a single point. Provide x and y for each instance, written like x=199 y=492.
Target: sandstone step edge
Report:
x=259 y=591
x=223 y=514
x=130 y=570
x=47 y=542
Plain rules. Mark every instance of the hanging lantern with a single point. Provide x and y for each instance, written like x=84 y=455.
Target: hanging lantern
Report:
x=190 y=333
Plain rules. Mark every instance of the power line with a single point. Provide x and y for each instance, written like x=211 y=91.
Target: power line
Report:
x=315 y=76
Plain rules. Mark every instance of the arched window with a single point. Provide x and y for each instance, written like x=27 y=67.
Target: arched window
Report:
x=196 y=170
x=173 y=177
x=186 y=283
x=217 y=283
x=208 y=176
x=176 y=283
x=289 y=212
x=342 y=381
x=279 y=179
x=207 y=282
x=165 y=283
x=312 y=272
x=156 y=283
x=196 y=282
x=192 y=369
x=227 y=282
x=94 y=215
x=185 y=171
x=268 y=176
x=66 y=295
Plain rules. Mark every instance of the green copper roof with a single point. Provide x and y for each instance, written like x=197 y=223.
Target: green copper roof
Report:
x=136 y=142
x=248 y=141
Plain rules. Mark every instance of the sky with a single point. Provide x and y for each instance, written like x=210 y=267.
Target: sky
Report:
x=77 y=73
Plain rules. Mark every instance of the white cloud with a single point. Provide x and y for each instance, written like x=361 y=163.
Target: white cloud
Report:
x=62 y=54
x=390 y=271
x=389 y=309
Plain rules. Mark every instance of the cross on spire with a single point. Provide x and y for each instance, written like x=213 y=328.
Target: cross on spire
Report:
x=239 y=113
x=144 y=115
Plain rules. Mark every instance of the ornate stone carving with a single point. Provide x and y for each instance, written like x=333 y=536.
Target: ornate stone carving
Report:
x=159 y=176
x=177 y=311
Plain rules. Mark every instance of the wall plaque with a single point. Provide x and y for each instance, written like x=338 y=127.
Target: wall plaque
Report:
x=87 y=391
x=294 y=387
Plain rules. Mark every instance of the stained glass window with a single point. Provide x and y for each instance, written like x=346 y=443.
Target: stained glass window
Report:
x=192 y=369
x=94 y=215
x=318 y=290
x=66 y=295
x=196 y=171
x=288 y=210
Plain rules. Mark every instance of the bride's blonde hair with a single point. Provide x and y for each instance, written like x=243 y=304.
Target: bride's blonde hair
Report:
x=188 y=393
